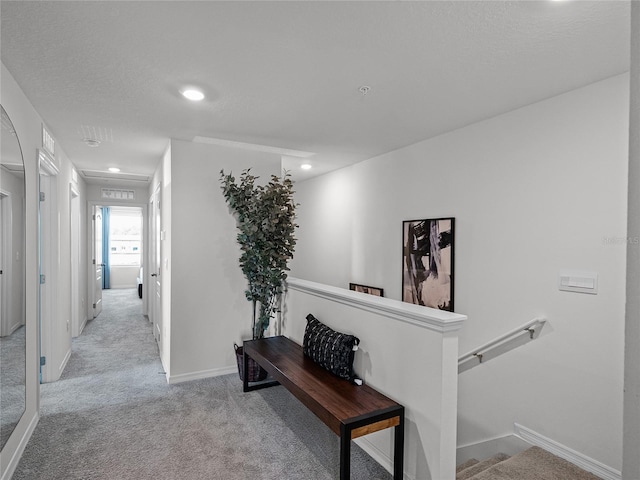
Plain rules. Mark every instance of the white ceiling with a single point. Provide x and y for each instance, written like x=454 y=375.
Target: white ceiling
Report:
x=287 y=74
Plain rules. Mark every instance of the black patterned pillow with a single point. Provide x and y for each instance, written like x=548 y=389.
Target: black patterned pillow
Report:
x=332 y=350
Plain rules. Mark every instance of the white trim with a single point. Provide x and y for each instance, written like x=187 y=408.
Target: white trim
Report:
x=48 y=142
x=509 y=444
x=430 y=318
x=47 y=163
x=253 y=146
x=64 y=362
x=89 y=253
x=586 y=463
x=6 y=257
x=82 y=325
x=214 y=372
x=17 y=454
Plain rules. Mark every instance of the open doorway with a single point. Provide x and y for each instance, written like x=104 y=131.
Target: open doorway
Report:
x=122 y=247
x=118 y=251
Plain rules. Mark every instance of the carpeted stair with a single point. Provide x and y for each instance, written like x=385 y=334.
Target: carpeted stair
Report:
x=532 y=464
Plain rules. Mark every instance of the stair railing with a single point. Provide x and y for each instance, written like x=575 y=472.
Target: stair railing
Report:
x=515 y=338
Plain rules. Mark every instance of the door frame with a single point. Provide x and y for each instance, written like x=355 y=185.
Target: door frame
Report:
x=95 y=277
x=78 y=320
x=145 y=247
x=6 y=302
x=155 y=264
x=48 y=236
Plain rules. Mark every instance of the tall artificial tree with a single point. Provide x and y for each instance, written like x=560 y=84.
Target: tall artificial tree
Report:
x=265 y=217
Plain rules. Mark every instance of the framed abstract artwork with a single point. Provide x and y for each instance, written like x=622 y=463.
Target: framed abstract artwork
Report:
x=378 y=292
x=427 y=262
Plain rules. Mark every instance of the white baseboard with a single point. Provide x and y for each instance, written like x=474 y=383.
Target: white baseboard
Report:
x=17 y=455
x=84 y=324
x=507 y=444
x=64 y=363
x=215 y=372
x=586 y=463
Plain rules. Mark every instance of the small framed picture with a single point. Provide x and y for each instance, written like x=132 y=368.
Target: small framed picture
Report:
x=378 y=292
x=427 y=258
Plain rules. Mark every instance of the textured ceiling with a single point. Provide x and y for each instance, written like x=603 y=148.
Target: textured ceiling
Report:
x=287 y=74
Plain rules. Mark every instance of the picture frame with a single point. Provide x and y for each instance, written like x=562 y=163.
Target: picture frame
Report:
x=428 y=248
x=378 y=292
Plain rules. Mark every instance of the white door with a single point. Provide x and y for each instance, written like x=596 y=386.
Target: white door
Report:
x=97 y=260
x=55 y=336
x=77 y=318
x=3 y=295
x=156 y=267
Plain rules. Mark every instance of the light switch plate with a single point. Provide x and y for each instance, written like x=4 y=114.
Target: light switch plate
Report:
x=578 y=281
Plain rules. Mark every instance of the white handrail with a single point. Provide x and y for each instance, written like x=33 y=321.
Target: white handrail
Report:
x=516 y=337
x=430 y=318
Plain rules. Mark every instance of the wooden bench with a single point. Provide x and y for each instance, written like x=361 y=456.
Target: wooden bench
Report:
x=349 y=410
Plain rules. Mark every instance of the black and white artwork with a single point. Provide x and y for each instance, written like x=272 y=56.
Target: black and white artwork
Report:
x=428 y=262
x=378 y=292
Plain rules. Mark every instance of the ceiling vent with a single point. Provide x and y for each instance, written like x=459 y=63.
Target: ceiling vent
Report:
x=94 y=136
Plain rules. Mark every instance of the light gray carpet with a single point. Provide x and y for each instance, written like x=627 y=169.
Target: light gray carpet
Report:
x=532 y=464
x=12 y=382
x=113 y=416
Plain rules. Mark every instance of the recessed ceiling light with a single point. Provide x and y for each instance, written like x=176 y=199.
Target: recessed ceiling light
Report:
x=192 y=94
x=305 y=166
x=114 y=169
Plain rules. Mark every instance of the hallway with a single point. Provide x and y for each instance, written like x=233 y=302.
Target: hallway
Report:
x=113 y=416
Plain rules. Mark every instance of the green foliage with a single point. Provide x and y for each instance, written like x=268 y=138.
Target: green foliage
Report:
x=265 y=216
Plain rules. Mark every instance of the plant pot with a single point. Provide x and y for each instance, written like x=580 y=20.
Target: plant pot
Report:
x=255 y=374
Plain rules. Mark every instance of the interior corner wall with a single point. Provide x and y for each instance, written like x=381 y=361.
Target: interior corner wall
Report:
x=162 y=180
x=631 y=463
x=61 y=329
x=324 y=215
x=209 y=311
x=83 y=267
x=534 y=191
x=167 y=259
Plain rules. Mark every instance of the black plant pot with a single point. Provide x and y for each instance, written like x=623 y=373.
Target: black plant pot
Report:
x=255 y=374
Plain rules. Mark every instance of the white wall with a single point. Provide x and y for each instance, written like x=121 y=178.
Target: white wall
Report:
x=209 y=311
x=124 y=276
x=631 y=466
x=533 y=191
x=60 y=330
x=28 y=126
x=327 y=228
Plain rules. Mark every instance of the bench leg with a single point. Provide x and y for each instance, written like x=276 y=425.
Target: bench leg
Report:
x=245 y=370
x=398 y=450
x=345 y=452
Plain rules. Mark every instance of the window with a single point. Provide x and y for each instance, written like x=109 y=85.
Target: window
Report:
x=125 y=240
